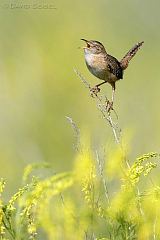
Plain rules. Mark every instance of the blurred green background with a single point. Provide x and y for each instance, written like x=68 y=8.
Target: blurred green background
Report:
x=38 y=87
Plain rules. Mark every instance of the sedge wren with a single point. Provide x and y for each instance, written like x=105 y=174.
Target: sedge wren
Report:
x=104 y=66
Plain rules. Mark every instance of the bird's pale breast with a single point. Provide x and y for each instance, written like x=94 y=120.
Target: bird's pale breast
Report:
x=97 y=66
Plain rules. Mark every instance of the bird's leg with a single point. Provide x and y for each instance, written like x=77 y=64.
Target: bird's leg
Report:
x=113 y=92
x=100 y=84
x=96 y=89
x=110 y=104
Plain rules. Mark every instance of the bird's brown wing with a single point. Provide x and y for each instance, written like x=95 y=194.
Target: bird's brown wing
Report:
x=114 y=66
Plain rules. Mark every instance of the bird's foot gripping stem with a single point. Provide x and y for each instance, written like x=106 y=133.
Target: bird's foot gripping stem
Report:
x=94 y=91
x=109 y=106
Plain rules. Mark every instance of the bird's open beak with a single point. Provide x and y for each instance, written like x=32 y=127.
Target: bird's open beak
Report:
x=87 y=42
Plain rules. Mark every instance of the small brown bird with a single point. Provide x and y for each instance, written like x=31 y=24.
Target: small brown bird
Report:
x=104 y=66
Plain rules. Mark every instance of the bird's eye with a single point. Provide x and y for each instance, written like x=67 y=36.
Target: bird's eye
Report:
x=88 y=46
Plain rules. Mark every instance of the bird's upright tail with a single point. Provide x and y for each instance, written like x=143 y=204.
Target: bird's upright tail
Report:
x=126 y=59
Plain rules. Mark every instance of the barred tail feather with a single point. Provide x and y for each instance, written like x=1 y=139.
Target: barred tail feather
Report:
x=126 y=59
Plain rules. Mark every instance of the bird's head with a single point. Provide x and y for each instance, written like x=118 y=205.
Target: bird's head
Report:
x=93 y=47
